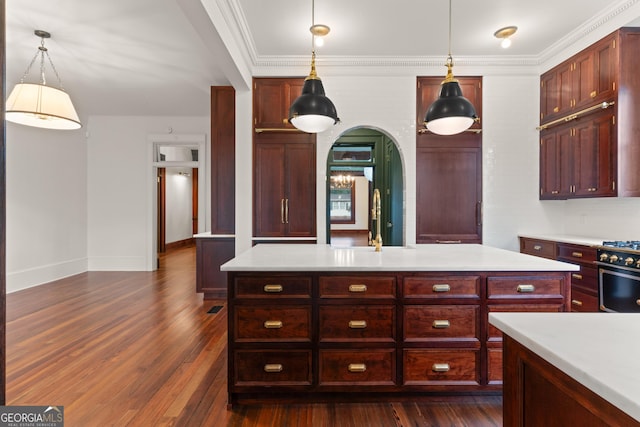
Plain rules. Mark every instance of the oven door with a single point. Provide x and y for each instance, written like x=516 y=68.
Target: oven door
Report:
x=619 y=290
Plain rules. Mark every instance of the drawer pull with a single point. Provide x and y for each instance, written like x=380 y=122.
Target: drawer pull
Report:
x=273 y=367
x=525 y=288
x=593 y=94
x=357 y=367
x=576 y=254
x=441 y=324
x=577 y=276
x=638 y=301
x=357 y=324
x=537 y=247
x=441 y=287
x=440 y=367
x=273 y=288
x=273 y=324
x=576 y=302
x=357 y=288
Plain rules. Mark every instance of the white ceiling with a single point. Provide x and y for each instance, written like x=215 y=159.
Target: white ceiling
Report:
x=149 y=57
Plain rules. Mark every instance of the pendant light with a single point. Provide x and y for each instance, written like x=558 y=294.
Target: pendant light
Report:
x=38 y=104
x=451 y=113
x=312 y=111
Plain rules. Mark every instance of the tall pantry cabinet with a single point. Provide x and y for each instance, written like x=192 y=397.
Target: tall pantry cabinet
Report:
x=284 y=166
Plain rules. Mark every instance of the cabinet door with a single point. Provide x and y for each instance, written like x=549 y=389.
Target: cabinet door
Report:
x=584 y=85
x=300 y=203
x=272 y=98
x=606 y=62
x=268 y=189
x=549 y=89
x=594 y=163
x=449 y=194
x=555 y=163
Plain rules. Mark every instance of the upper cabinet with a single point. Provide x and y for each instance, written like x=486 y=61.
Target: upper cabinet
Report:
x=589 y=122
x=272 y=98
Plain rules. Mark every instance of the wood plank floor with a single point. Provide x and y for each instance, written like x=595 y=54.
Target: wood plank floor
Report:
x=140 y=349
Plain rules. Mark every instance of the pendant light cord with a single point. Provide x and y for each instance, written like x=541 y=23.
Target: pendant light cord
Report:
x=450 y=1
x=313 y=22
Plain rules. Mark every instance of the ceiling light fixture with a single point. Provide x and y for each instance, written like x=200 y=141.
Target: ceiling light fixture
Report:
x=40 y=105
x=451 y=113
x=312 y=111
x=505 y=34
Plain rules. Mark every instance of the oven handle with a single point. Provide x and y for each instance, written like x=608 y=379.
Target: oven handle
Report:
x=608 y=266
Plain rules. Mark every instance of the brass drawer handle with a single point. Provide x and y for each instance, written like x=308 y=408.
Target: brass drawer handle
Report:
x=576 y=302
x=273 y=367
x=556 y=109
x=525 y=288
x=273 y=288
x=440 y=367
x=357 y=288
x=576 y=254
x=441 y=287
x=593 y=94
x=537 y=248
x=357 y=367
x=357 y=324
x=577 y=276
x=638 y=301
x=441 y=324
x=273 y=324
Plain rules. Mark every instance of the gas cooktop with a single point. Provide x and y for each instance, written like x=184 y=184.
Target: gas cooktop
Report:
x=623 y=244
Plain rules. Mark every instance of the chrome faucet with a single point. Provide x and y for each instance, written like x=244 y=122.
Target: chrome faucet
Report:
x=376 y=216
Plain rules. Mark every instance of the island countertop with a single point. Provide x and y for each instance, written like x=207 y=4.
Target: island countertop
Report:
x=428 y=257
x=598 y=350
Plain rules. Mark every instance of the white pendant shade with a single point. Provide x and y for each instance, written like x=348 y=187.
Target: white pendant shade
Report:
x=450 y=125
x=312 y=123
x=41 y=106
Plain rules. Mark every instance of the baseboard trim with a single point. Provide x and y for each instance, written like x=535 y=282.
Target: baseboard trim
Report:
x=180 y=244
x=24 y=279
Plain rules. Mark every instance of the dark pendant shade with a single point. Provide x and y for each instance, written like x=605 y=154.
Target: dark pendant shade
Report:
x=312 y=111
x=451 y=113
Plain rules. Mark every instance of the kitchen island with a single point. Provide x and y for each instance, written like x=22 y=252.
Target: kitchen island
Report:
x=570 y=369
x=314 y=322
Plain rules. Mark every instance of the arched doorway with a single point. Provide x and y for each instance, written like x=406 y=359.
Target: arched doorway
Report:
x=360 y=161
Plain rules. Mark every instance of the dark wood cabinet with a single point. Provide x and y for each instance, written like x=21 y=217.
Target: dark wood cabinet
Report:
x=211 y=253
x=589 y=122
x=272 y=98
x=284 y=185
x=448 y=172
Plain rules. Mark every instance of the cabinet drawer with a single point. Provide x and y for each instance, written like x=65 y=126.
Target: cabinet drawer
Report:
x=273 y=287
x=524 y=287
x=285 y=323
x=584 y=302
x=442 y=287
x=586 y=278
x=357 y=323
x=541 y=248
x=357 y=287
x=494 y=334
x=441 y=322
x=357 y=367
x=494 y=365
x=423 y=367
x=272 y=367
x=578 y=254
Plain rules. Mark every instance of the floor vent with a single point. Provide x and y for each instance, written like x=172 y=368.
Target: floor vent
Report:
x=214 y=309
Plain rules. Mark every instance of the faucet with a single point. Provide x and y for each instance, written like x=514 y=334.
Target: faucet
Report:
x=375 y=215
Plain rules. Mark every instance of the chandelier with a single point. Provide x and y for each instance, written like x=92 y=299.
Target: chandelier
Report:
x=342 y=181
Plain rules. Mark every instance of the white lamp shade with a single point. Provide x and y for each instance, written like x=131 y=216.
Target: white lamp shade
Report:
x=312 y=123
x=450 y=125
x=41 y=106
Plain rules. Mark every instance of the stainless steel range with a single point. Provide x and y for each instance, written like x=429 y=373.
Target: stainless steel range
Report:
x=619 y=276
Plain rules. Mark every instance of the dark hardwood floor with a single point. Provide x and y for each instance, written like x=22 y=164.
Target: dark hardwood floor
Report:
x=140 y=349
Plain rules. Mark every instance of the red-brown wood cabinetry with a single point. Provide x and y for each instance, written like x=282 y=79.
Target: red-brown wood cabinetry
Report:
x=272 y=98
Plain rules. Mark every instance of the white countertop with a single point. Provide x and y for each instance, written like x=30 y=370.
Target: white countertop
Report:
x=433 y=257
x=599 y=350
x=567 y=238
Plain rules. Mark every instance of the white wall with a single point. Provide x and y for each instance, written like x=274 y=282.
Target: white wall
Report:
x=46 y=205
x=178 y=212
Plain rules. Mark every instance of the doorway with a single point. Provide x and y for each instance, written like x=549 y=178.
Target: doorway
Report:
x=360 y=161
x=177 y=207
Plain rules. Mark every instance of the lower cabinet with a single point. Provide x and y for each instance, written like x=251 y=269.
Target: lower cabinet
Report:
x=297 y=336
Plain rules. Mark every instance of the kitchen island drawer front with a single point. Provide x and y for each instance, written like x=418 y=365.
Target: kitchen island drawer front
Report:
x=357 y=286
x=347 y=323
x=423 y=323
x=272 y=367
x=586 y=278
x=429 y=367
x=494 y=333
x=357 y=367
x=284 y=323
x=525 y=287
x=577 y=254
x=584 y=302
x=494 y=365
x=273 y=287
x=441 y=287
x=541 y=248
